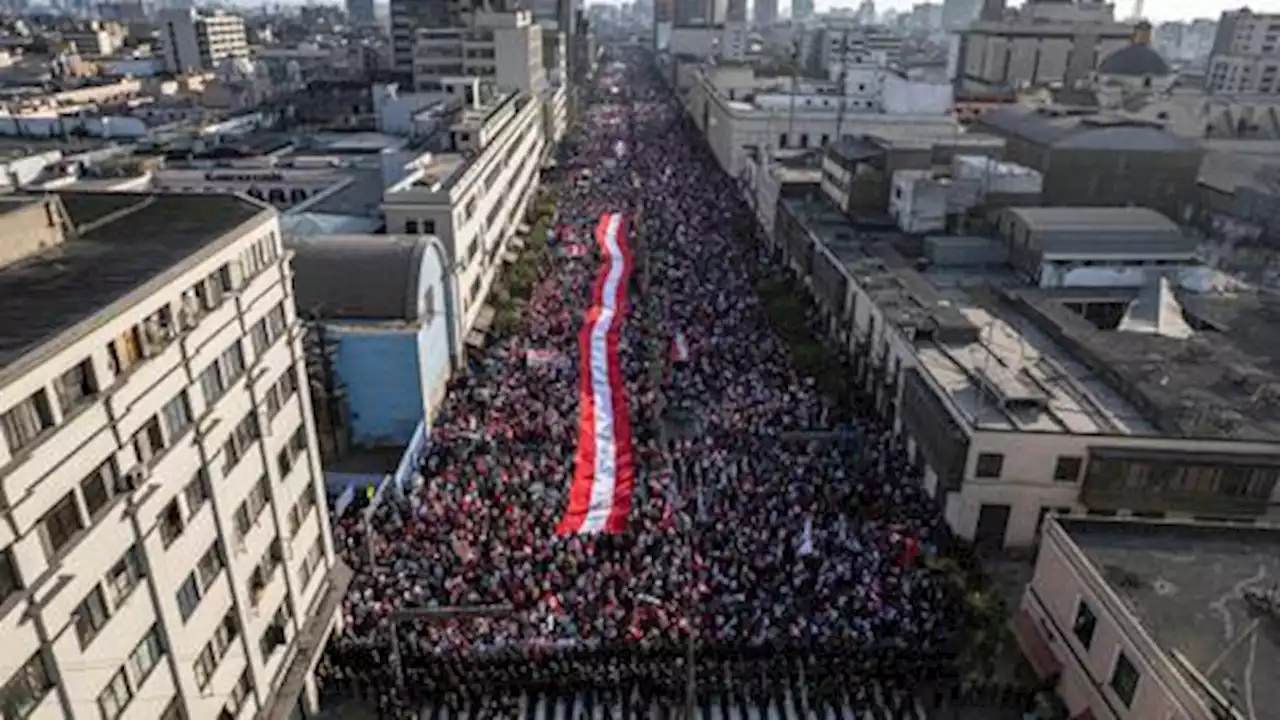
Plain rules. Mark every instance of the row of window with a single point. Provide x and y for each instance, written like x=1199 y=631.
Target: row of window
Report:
x=28 y=686
x=216 y=649
x=92 y=614
x=423 y=226
x=264 y=570
x=280 y=392
x=247 y=514
x=300 y=510
x=276 y=633
x=1124 y=675
x=29 y=419
x=126 y=683
x=222 y=373
x=268 y=329
x=196 y=586
x=310 y=564
x=990 y=466
x=288 y=456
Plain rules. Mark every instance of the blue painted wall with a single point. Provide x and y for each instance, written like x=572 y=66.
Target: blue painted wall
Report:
x=396 y=373
x=380 y=369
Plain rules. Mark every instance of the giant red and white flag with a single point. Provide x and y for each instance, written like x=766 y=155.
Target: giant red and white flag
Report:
x=604 y=475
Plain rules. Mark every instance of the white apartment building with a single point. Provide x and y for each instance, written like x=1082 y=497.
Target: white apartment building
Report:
x=1245 y=58
x=166 y=551
x=1141 y=619
x=195 y=40
x=1019 y=400
x=501 y=48
x=737 y=111
x=475 y=195
x=1045 y=43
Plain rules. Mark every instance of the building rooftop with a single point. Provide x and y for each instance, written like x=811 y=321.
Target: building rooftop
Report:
x=359 y=277
x=1013 y=357
x=1184 y=584
x=1085 y=219
x=1084 y=129
x=119 y=243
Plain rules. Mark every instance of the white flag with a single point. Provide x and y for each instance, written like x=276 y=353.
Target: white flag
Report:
x=806 y=540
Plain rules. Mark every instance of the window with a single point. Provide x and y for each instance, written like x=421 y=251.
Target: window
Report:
x=196 y=492
x=148 y=442
x=242 y=521
x=207 y=662
x=221 y=373
x=75 y=386
x=125 y=575
x=1067 y=468
x=115 y=697
x=428 y=227
x=239 y=694
x=315 y=556
x=177 y=415
x=90 y=616
x=1085 y=624
x=25 y=421
x=124 y=352
x=99 y=487
x=268 y=329
x=188 y=597
x=289 y=454
x=170 y=522
x=61 y=524
x=276 y=633
x=145 y=656
x=782 y=140
x=25 y=689
x=989 y=465
x=1124 y=679
x=279 y=393
x=173 y=711
x=411 y=227
x=209 y=566
x=239 y=442
x=10 y=582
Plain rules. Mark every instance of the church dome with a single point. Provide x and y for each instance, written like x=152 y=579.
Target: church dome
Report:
x=1135 y=60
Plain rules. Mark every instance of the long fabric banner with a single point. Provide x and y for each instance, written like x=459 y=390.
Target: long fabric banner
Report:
x=600 y=498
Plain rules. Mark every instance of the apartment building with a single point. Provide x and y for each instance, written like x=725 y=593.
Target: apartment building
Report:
x=474 y=195
x=1245 y=58
x=1134 y=619
x=195 y=40
x=167 y=551
x=502 y=48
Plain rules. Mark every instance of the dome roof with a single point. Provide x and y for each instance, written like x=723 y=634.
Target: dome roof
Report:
x=1135 y=60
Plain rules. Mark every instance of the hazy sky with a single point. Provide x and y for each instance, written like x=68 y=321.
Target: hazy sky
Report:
x=1155 y=10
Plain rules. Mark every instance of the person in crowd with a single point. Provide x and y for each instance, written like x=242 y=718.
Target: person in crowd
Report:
x=746 y=544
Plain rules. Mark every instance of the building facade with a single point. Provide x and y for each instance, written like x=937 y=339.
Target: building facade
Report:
x=1044 y=44
x=195 y=41
x=502 y=48
x=1245 y=58
x=475 y=196
x=168 y=552
x=362 y=13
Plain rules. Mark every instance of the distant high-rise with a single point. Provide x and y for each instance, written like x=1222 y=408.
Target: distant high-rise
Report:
x=766 y=12
x=194 y=41
x=801 y=9
x=409 y=15
x=361 y=13
x=1245 y=54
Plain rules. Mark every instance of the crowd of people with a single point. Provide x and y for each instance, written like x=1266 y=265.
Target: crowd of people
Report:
x=746 y=534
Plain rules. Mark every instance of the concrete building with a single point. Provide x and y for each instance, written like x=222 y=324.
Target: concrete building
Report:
x=738 y=110
x=930 y=200
x=168 y=552
x=1094 y=159
x=502 y=48
x=362 y=13
x=766 y=12
x=1020 y=400
x=1245 y=58
x=474 y=196
x=282 y=187
x=1043 y=44
x=195 y=41
x=95 y=39
x=858 y=174
x=384 y=307
x=1141 y=619
x=837 y=43
x=1123 y=245
x=957 y=15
